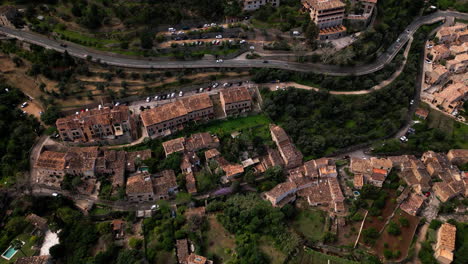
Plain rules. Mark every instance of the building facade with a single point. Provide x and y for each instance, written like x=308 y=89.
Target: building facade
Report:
x=235 y=101
x=97 y=125
x=250 y=5
x=163 y=120
x=328 y=15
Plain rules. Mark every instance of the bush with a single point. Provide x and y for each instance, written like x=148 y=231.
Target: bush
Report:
x=435 y=224
x=393 y=229
x=403 y=221
x=135 y=243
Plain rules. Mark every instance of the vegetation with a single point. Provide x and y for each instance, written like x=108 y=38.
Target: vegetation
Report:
x=17 y=135
x=249 y=217
x=392 y=18
x=438 y=132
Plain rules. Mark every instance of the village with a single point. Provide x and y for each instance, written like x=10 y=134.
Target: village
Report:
x=445 y=85
x=413 y=187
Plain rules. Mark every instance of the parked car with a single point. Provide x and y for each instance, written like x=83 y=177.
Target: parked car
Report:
x=411 y=102
x=23 y=105
x=200 y=90
x=403 y=139
x=117 y=104
x=148 y=99
x=428 y=61
x=156 y=97
x=219 y=36
x=219 y=61
x=181 y=94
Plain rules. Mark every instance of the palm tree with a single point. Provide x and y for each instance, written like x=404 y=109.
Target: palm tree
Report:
x=17 y=245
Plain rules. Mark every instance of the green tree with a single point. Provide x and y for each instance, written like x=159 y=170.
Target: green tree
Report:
x=311 y=32
x=393 y=229
x=51 y=115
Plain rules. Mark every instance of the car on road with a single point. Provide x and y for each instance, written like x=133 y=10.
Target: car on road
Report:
x=407 y=31
x=219 y=36
x=23 y=105
x=219 y=61
x=411 y=130
x=398 y=40
x=55 y=194
x=411 y=102
x=265 y=61
x=148 y=99
x=181 y=94
x=242 y=41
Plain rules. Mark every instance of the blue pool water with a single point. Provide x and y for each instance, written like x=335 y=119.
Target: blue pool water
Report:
x=9 y=253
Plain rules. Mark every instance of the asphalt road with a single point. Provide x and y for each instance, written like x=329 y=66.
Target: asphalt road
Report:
x=124 y=61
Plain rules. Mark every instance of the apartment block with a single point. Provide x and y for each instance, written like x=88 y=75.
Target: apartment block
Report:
x=250 y=5
x=328 y=15
x=97 y=125
x=163 y=120
x=236 y=100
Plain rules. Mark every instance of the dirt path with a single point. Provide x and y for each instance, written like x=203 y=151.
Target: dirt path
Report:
x=421 y=238
x=360 y=92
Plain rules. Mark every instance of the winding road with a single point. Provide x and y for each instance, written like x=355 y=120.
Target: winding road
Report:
x=335 y=70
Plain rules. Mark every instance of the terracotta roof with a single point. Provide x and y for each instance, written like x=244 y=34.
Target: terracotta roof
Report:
x=332 y=30
x=175 y=109
x=281 y=189
x=197 y=102
x=358 y=165
x=381 y=163
x=422 y=113
x=325 y=4
x=440 y=48
x=318 y=193
x=182 y=250
x=327 y=170
x=233 y=169
x=279 y=133
x=103 y=116
x=446 y=236
x=454 y=92
x=234 y=95
x=51 y=160
x=190 y=183
x=443 y=191
x=211 y=153
x=139 y=183
x=33 y=260
x=412 y=204
x=117 y=224
x=163 y=113
x=165 y=182
x=174 y=145
x=200 y=141
x=458 y=153
x=358 y=180
x=310 y=168
x=335 y=190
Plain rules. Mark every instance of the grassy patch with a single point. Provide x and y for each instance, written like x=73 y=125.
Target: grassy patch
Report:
x=310 y=223
x=26 y=249
x=258 y=123
x=275 y=255
x=310 y=256
x=218 y=240
x=100 y=210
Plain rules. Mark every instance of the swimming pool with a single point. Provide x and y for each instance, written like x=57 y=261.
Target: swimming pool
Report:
x=10 y=252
